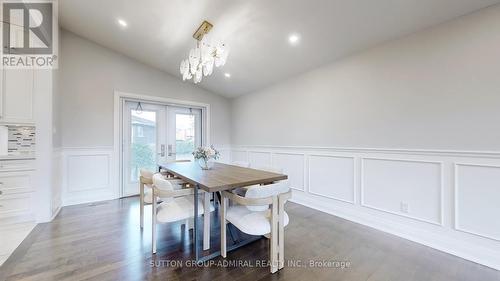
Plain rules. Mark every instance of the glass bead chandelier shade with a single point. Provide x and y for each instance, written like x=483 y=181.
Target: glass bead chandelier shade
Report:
x=202 y=59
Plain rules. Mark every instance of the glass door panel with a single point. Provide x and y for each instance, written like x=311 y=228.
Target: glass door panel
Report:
x=155 y=133
x=142 y=142
x=184 y=136
x=184 y=132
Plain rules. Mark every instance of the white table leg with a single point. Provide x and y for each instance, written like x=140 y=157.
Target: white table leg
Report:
x=206 y=221
x=153 y=222
x=223 y=243
x=141 y=188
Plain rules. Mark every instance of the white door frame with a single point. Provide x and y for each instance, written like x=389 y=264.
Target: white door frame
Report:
x=120 y=97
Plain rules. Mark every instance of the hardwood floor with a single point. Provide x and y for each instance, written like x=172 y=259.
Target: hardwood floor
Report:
x=103 y=242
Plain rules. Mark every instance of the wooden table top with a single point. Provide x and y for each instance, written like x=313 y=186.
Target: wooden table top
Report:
x=221 y=176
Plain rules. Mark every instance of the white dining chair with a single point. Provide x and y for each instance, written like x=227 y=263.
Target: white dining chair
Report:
x=177 y=205
x=242 y=190
x=146 y=190
x=259 y=212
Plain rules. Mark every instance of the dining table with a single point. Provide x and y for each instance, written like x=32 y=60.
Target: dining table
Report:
x=220 y=177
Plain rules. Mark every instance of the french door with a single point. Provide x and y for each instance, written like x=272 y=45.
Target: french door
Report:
x=155 y=133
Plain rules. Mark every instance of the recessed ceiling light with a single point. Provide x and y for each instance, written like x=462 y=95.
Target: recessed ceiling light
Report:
x=122 y=23
x=228 y=75
x=294 y=39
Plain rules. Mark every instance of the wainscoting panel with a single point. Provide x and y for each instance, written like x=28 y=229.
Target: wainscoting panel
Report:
x=408 y=193
x=293 y=165
x=402 y=187
x=477 y=199
x=225 y=155
x=425 y=196
x=239 y=155
x=332 y=177
x=259 y=159
x=87 y=175
x=87 y=172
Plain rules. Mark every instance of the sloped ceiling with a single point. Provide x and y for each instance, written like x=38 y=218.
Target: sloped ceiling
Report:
x=159 y=32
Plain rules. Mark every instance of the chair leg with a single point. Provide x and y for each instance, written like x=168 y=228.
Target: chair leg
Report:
x=281 y=233
x=218 y=196
x=153 y=223
x=274 y=253
x=223 y=251
x=141 y=188
x=206 y=221
x=274 y=236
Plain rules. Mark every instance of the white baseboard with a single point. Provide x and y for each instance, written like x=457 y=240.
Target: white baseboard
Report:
x=54 y=215
x=81 y=200
x=439 y=241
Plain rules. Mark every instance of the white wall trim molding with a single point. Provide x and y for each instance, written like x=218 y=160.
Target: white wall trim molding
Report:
x=253 y=156
x=246 y=157
x=434 y=220
x=75 y=157
x=87 y=175
x=54 y=215
x=456 y=199
x=305 y=183
x=56 y=194
x=441 y=189
x=400 y=151
x=289 y=153
x=354 y=175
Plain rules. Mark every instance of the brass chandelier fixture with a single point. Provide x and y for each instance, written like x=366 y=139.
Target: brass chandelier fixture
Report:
x=207 y=54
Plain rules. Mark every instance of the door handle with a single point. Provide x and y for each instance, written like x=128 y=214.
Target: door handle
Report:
x=162 y=150
x=170 y=153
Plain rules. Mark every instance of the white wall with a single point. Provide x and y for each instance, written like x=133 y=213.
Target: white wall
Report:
x=88 y=76
x=46 y=98
x=91 y=73
x=56 y=144
x=56 y=197
x=43 y=185
x=426 y=107
x=437 y=89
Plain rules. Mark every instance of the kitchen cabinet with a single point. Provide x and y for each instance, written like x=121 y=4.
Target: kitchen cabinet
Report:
x=16 y=191
x=17 y=96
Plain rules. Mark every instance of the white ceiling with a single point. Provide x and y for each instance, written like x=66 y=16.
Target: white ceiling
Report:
x=159 y=32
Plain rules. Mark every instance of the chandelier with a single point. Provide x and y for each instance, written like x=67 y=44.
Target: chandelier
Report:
x=207 y=54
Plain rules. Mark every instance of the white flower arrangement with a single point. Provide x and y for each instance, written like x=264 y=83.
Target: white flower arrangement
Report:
x=206 y=153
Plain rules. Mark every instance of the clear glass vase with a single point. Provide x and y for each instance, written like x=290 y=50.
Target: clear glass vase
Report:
x=205 y=164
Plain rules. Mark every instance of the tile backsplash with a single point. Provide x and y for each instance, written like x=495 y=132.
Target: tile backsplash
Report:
x=21 y=139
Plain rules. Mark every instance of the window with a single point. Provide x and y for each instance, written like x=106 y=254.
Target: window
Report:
x=140 y=132
x=184 y=135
